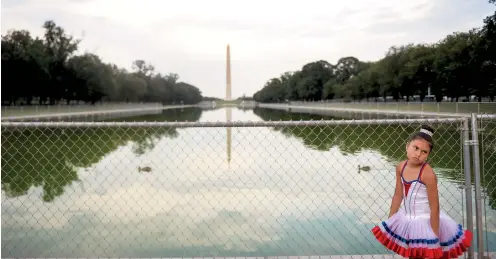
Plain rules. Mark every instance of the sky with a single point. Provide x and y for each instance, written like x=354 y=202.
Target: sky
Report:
x=266 y=38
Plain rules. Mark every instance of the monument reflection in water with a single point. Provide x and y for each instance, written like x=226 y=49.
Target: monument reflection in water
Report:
x=229 y=135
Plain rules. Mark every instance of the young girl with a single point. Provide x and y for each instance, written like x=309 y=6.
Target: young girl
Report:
x=416 y=227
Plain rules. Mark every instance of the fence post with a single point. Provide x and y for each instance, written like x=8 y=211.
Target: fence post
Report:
x=478 y=206
x=468 y=181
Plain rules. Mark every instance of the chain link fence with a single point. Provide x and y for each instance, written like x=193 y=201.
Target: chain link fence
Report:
x=220 y=189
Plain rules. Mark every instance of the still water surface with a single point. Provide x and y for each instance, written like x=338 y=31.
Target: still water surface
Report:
x=208 y=191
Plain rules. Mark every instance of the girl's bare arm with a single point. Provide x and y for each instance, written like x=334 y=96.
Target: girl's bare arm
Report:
x=430 y=181
x=398 y=192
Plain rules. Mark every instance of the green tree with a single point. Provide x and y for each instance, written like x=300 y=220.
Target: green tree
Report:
x=49 y=70
x=460 y=65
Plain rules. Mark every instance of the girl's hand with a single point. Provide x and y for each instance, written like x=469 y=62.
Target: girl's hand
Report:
x=436 y=232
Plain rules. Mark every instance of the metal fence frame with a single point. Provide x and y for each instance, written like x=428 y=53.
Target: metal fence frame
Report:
x=476 y=142
x=222 y=124
x=470 y=138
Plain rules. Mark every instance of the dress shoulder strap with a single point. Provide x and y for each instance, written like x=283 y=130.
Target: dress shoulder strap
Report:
x=403 y=168
x=421 y=171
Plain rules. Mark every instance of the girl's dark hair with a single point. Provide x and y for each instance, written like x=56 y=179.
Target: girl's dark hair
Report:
x=425 y=133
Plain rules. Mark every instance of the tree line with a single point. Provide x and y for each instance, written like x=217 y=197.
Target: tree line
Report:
x=463 y=64
x=46 y=70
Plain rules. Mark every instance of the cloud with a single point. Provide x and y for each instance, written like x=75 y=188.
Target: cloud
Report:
x=267 y=38
x=437 y=23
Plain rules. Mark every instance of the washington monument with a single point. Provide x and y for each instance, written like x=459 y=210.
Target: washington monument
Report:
x=228 y=74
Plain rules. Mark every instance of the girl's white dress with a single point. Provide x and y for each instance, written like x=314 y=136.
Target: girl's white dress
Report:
x=409 y=234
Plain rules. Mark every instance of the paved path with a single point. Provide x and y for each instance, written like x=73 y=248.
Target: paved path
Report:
x=88 y=113
x=381 y=111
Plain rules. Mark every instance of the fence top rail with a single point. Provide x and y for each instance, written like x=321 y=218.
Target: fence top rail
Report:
x=486 y=116
x=196 y=124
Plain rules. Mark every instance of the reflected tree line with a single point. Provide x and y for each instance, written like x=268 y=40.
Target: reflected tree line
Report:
x=390 y=140
x=50 y=158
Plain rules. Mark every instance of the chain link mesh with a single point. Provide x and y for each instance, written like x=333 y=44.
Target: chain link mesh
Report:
x=270 y=189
